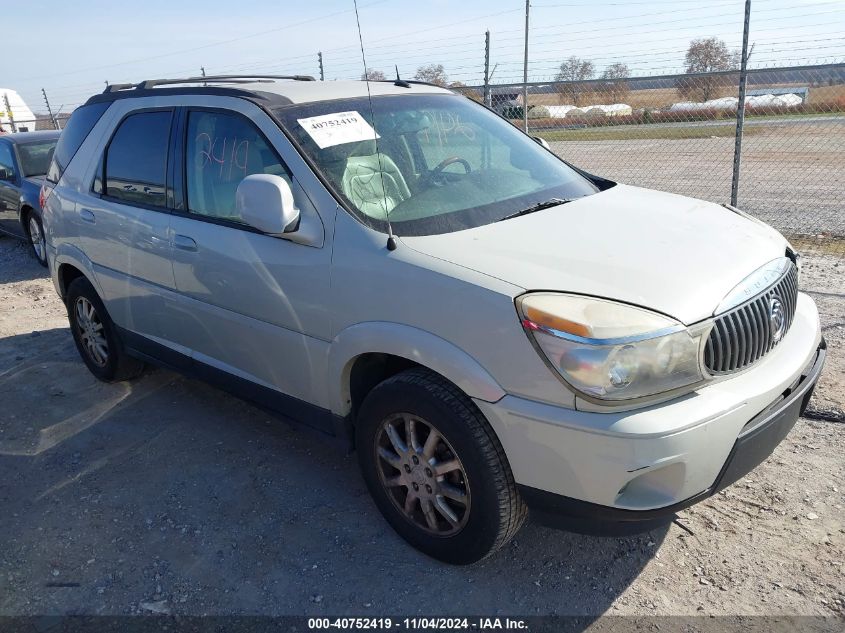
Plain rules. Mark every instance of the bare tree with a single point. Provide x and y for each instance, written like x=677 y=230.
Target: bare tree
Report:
x=573 y=71
x=707 y=55
x=373 y=75
x=616 y=85
x=461 y=88
x=433 y=74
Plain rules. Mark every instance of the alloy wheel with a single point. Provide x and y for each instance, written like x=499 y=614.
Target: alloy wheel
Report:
x=422 y=474
x=36 y=236
x=91 y=332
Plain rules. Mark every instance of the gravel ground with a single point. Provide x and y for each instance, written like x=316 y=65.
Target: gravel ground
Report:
x=792 y=174
x=166 y=496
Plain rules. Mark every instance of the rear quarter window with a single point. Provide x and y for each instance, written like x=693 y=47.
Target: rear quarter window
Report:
x=78 y=127
x=136 y=159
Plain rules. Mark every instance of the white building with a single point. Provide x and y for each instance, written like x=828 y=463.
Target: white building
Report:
x=23 y=117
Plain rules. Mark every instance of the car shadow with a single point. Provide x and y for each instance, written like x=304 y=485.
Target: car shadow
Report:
x=23 y=265
x=167 y=491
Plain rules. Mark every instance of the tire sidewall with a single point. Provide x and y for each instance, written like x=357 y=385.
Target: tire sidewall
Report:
x=33 y=214
x=81 y=287
x=478 y=536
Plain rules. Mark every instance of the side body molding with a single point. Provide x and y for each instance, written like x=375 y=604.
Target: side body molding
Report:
x=408 y=342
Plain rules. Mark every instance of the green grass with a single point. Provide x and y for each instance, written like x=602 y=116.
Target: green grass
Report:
x=629 y=133
x=794 y=115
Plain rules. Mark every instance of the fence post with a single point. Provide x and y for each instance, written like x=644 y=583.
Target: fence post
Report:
x=49 y=110
x=487 y=100
x=9 y=113
x=525 y=71
x=320 y=59
x=740 y=107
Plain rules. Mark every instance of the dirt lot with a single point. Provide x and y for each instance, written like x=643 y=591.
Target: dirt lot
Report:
x=792 y=174
x=166 y=496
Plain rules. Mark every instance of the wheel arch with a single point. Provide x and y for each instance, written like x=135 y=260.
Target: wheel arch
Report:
x=23 y=216
x=364 y=354
x=71 y=263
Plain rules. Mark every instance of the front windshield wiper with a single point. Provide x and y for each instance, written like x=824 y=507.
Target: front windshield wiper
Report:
x=539 y=206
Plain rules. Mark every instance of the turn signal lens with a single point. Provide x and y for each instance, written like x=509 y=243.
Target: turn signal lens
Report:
x=609 y=350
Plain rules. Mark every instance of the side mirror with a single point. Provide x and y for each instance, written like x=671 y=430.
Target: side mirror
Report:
x=542 y=142
x=4 y=175
x=266 y=202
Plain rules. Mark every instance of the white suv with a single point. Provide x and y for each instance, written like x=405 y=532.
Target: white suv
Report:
x=494 y=329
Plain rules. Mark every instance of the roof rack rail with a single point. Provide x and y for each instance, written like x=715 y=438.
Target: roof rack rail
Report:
x=210 y=79
x=116 y=87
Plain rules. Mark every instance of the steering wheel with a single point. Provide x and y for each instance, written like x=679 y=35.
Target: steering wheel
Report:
x=433 y=176
x=450 y=161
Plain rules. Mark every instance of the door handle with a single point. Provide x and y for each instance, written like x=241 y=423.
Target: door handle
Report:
x=185 y=243
x=87 y=215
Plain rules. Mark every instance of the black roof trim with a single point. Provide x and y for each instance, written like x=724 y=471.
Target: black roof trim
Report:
x=217 y=91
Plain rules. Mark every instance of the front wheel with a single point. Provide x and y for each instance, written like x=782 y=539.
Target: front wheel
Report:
x=37 y=239
x=436 y=469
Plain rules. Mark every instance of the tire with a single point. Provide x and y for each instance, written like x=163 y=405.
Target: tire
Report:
x=483 y=510
x=34 y=229
x=95 y=335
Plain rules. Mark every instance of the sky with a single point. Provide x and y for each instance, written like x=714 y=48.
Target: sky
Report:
x=99 y=41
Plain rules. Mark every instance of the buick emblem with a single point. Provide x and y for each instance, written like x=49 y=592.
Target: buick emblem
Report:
x=777 y=319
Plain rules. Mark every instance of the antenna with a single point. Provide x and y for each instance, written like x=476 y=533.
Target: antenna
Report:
x=399 y=81
x=391 y=240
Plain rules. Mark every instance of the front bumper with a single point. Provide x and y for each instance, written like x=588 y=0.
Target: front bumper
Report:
x=626 y=468
x=756 y=442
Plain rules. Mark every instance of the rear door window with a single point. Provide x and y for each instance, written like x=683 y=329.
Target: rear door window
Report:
x=7 y=164
x=77 y=129
x=136 y=159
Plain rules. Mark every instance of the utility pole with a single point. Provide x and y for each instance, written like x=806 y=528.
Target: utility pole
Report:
x=487 y=99
x=740 y=109
x=9 y=113
x=202 y=70
x=320 y=60
x=49 y=110
x=525 y=71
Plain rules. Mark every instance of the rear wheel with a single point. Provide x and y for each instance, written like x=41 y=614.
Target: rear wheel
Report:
x=37 y=239
x=435 y=468
x=95 y=335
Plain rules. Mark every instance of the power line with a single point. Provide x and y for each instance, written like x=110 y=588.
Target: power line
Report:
x=210 y=45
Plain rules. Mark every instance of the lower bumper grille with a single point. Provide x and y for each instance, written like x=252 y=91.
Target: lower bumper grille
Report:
x=748 y=332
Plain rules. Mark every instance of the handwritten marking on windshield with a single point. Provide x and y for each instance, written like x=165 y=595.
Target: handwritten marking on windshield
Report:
x=445 y=125
x=236 y=157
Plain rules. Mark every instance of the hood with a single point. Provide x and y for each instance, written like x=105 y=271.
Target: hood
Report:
x=673 y=254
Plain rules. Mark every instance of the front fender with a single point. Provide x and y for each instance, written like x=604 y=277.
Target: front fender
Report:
x=424 y=348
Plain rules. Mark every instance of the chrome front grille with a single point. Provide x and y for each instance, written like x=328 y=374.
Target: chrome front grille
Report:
x=746 y=333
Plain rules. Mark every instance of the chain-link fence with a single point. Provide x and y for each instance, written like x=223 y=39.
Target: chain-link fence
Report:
x=673 y=132
x=678 y=133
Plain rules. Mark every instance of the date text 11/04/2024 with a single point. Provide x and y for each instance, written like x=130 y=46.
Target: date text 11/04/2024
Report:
x=419 y=624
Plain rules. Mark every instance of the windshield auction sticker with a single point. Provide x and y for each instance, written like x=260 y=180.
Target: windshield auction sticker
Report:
x=338 y=128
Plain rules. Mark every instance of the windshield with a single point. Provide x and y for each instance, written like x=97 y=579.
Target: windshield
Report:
x=35 y=157
x=444 y=162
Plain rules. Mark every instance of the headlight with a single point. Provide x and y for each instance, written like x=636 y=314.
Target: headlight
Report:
x=609 y=350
